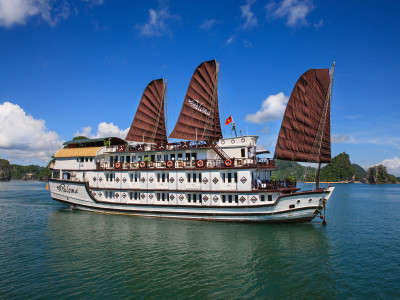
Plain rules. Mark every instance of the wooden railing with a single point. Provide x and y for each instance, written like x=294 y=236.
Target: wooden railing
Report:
x=187 y=164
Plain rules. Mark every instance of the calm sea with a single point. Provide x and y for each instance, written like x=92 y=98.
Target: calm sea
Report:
x=48 y=251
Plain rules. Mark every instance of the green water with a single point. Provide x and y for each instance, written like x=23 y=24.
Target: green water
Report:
x=48 y=251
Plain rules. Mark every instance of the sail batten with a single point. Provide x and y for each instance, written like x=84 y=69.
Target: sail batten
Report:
x=305 y=131
x=199 y=116
x=149 y=123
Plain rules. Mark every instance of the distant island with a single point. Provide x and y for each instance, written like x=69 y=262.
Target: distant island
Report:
x=340 y=170
x=17 y=172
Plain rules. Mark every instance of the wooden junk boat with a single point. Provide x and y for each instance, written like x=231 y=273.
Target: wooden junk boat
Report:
x=206 y=176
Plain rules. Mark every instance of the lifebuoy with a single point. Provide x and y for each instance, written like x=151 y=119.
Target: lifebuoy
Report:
x=142 y=164
x=170 y=164
x=200 y=163
x=117 y=165
x=228 y=162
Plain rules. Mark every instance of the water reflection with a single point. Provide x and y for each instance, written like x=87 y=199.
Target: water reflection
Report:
x=116 y=255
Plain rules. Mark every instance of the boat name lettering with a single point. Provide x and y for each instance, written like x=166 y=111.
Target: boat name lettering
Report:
x=66 y=189
x=198 y=106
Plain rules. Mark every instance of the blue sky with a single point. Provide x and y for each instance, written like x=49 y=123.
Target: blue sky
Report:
x=70 y=65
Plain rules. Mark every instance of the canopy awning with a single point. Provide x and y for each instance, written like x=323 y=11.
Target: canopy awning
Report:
x=77 y=152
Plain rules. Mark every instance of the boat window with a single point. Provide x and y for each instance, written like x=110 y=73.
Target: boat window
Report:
x=167 y=196
x=106 y=177
x=200 y=198
x=130 y=195
x=236 y=199
x=158 y=157
x=189 y=197
x=262 y=198
x=163 y=196
x=230 y=198
x=163 y=177
x=269 y=197
x=134 y=158
x=200 y=177
x=235 y=178
x=194 y=198
x=194 y=177
x=158 y=196
x=66 y=175
x=153 y=158
x=187 y=156
x=188 y=177
x=223 y=199
x=56 y=174
x=223 y=177
x=106 y=194
x=243 y=152
x=165 y=157
x=131 y=177
x=172 y=156
x=229 y=177
x=128 y=159
x=179 y=156
x=91 y=159
x=82 y=159
x=158 y=177
x=194 y=156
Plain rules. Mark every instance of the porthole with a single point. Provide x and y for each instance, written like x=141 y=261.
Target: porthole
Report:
x=310 y=200
x=291 y=206
x=232 y=141
x=222 y=142
x=242 y=140
x=298 y=201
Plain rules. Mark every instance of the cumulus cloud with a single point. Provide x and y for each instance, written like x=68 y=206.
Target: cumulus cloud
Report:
x=17 y=12
x=339 y=138
x=25 y=138
x=248 y=15
x=207 y=24
x=157 y=24
x=103 y=130
x=272 y=109
x=294 y=11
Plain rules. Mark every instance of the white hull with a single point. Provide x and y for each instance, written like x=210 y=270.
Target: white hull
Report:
x=295 y=207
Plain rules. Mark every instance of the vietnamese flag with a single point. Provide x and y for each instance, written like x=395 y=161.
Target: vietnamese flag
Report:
x=229 y=120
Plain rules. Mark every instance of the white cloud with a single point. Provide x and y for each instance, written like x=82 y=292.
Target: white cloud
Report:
x=343 y=138
x=157 y=24
x=392 y=165
x=207 y=24
x=272 y=109
x=17 y=12
x=294 y=11
x=24 y=138
x=104 y=130
x=319 y=24
x=231 y=39
x=248 y=15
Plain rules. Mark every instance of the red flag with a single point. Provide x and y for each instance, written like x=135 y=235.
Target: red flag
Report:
x=229 y=120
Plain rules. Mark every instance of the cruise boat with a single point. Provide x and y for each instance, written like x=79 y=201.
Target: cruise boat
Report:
x=205 y=176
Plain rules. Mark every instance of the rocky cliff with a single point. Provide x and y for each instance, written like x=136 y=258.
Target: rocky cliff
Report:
x=5 y=170
x=379 y=175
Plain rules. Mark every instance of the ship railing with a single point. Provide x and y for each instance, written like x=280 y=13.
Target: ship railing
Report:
x=187 y=164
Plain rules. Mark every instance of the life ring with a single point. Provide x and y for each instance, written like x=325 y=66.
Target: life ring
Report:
x=170 y=164
x=200 y=163
x=117 y=165
x=228 y=162
x=142 y=164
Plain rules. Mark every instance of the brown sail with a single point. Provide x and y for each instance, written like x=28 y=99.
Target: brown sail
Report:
x=148 y=126
x=199 y=117
x=305 y=131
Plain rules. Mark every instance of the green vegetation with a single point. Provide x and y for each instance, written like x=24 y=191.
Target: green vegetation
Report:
x=81 y=137
x=339 y=170
x=359 y=172
x=25 y=172
x=293 y=171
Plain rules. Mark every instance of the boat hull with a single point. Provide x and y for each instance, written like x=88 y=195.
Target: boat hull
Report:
x=295 y=207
